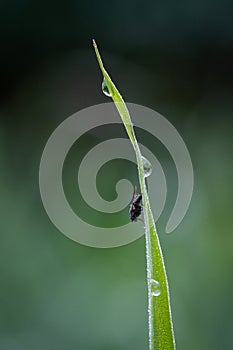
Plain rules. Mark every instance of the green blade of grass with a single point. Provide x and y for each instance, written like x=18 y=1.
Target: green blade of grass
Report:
x=161 y=336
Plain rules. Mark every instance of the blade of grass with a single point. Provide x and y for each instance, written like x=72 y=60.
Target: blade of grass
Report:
x=161 y=335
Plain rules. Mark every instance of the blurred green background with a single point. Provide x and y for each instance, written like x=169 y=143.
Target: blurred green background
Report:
x=174 y=57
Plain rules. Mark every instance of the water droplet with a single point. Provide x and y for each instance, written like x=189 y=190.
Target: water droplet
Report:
x=147 y=167
x=155 y=288
x=105 y=88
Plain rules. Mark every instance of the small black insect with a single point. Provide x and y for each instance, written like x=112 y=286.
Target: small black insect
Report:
x=135 y=208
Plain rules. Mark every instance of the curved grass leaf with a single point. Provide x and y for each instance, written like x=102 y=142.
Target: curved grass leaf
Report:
x=161 y=336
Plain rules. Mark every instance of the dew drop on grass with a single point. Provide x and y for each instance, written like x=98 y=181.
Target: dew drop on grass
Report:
x=155 y=288
x=105 y=88
x=147 y=167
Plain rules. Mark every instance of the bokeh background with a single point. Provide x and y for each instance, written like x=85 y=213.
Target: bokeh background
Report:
x=174 y=57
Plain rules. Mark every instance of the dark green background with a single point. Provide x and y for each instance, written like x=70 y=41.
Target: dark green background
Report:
x=175 y=57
